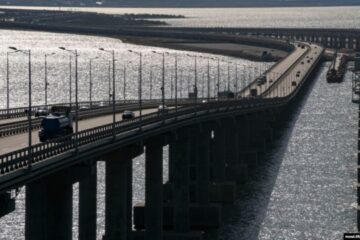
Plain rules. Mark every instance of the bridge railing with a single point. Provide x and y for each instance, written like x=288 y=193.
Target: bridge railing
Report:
x=16 y=127
x=20 y=159
x=23 y=111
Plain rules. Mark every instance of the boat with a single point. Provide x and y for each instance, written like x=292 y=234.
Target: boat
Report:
x=337 y=69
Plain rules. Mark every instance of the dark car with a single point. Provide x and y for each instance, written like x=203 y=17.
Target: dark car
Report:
x=41 y=111
x=261 y=80
x=163 y=109
x=128 y=115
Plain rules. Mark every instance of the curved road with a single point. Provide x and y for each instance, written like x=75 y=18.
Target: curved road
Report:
x=287 y=74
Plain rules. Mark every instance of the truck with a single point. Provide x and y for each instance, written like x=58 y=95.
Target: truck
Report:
x=58 y=123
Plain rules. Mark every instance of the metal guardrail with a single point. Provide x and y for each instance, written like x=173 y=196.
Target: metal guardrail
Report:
x=22 y=111
x=17 y=127
x=20 y=159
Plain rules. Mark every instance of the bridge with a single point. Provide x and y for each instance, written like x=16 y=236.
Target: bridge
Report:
x=213 y=145
x=329 y=38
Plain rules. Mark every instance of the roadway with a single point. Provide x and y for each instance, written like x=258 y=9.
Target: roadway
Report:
x=288 y=73
x=297 y=73
x=19 y=141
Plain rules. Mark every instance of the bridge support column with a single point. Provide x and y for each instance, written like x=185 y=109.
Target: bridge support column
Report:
x=352 y=43
x=87 y=204
x=153 y=189
x=118 y=199
x=180 y=189
x=327 y=41
x=49 y=208
x=209 y=215
x=249 y=141
x=190 y=146
x=181 y=183
x=203 y=167
x=342 y=42
x=236 y=170
x=219 y=148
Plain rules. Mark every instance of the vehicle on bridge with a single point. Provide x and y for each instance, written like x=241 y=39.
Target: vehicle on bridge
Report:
x=128 y=115
x=261 y=80
x=41 y=111
x=163 y=109
x=57 y=124
x=84 y=108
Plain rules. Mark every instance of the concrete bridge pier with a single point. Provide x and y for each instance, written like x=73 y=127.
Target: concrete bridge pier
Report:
x=206 y=214
x=236 y=170
x=180 y=188
x=256 y=135
x=327 y=41
x=354 y=43
x=248 y=153
x=118 y=199
x=87 y=203
x=179 y=211
x=222 y=190
x=324 y=40
x=48 y=207
x=202 y=192
x=343 y=42
x=154 y=189
x=258 y=126
x=203 y=167
x=177 y=215
x=332 y=42
x=218 y=146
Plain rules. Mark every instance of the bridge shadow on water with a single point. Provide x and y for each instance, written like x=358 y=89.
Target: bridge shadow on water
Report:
x=243 y=219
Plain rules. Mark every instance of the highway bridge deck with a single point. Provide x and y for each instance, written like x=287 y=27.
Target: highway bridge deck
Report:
x=283 y=77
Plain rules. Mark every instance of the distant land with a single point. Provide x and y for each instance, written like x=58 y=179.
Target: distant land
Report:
x=181 y=3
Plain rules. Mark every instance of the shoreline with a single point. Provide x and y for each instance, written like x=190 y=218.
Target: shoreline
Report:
x=240 y=46
x=219 y=48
